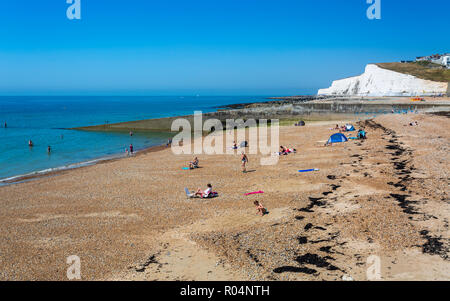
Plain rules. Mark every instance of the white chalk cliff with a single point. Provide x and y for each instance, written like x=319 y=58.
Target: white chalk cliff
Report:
x=376 y=81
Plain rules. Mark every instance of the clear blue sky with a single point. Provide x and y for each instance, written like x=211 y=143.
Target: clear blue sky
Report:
x=207 y=47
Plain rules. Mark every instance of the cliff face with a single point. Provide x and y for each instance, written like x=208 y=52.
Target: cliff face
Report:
x=376 y=81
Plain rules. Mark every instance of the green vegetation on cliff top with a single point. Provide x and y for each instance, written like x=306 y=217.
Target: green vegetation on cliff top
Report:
x=423 y=70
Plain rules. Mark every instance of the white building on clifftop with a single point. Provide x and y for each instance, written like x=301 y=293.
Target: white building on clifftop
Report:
x=440 y=59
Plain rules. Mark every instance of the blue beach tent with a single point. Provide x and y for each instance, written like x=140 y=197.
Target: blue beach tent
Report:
x=349 y=128
x=337 y=138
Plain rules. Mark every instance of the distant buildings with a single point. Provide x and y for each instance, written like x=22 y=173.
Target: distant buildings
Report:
x=440 y=59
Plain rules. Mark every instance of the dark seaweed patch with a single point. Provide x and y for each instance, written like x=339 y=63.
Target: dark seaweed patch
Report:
x=404 y=203
x=317 y=261
x=302 y=240
x=291 y=269
x=434 y=246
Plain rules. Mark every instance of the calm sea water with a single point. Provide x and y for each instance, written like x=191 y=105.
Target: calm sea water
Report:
x=45 y=120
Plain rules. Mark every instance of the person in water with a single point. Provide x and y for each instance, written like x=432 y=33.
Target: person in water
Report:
x=244 y=160
x=49 y=149
x=131 y=149
x=30 y=143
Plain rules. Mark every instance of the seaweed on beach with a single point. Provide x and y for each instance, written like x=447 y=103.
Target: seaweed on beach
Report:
x=292 y=269
x=317 y=261
x=434 y=246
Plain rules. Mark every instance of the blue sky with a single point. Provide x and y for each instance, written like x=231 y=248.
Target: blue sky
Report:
x=207 y=47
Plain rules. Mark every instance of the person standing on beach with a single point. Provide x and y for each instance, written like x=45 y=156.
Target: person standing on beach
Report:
x=244 y=160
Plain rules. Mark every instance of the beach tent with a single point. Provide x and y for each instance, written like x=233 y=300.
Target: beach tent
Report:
x=301 y=123
x=349 y=128
x=337 y=138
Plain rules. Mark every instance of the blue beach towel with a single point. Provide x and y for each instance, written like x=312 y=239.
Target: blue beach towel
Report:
x=309 y=170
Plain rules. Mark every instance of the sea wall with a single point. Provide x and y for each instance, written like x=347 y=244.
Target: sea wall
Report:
x=376 y=81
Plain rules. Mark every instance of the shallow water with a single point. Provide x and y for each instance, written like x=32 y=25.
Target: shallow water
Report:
x=45 y=120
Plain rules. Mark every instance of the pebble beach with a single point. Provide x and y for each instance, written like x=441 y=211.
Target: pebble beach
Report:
x=130 y=219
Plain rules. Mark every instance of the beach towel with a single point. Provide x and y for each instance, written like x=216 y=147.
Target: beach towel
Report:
x=309 y=170
x=210 y=195
x=256 y=192
x=188 y=193
x=186 y=168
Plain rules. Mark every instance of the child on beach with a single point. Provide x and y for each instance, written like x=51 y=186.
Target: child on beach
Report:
x=260 y=208
x=244 y=160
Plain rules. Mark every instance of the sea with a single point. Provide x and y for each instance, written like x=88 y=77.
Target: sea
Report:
x=47 y=121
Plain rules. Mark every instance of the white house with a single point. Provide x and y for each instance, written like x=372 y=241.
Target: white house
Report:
x=443 y=60
x=446 y=61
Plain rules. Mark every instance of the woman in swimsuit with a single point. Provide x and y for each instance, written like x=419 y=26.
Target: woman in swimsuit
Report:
x=244 y=160
x=204 y=194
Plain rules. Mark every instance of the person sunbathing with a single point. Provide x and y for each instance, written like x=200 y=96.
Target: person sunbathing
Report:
x=194 y=164
x=260 y=208
x=206 y=193
x=283 y=151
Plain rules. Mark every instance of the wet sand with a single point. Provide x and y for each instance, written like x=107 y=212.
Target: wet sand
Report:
x=129 y=219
